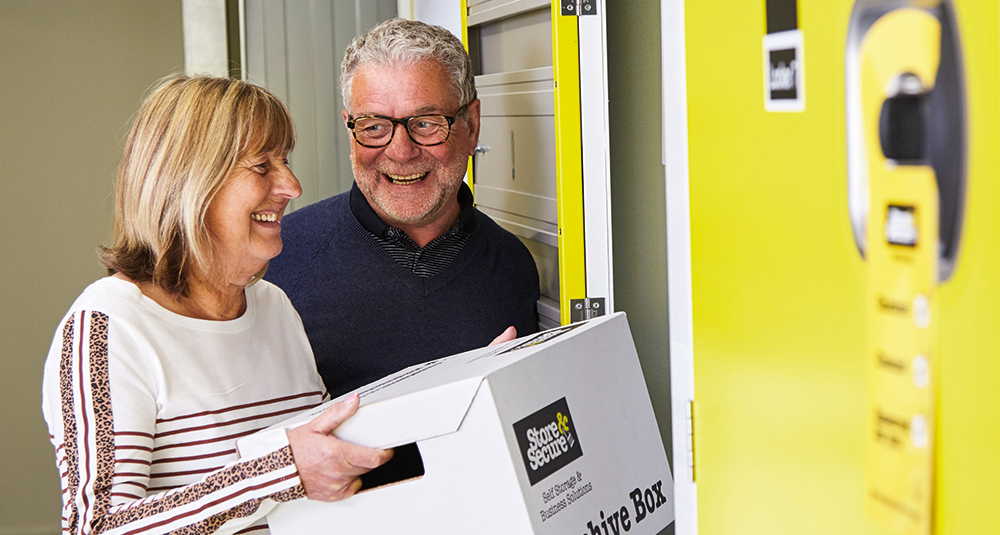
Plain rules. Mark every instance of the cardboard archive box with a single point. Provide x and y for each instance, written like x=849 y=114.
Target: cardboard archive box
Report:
x=552 y=433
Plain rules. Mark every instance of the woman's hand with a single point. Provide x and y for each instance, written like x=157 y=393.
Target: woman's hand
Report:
x=330 y=468
x=507 y=335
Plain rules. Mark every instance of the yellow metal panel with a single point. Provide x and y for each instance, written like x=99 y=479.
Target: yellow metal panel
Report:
x=780 y=322
x=569 y=159
x=902 y=278
x=470 y=179
x=778 y=285
x=465 y=23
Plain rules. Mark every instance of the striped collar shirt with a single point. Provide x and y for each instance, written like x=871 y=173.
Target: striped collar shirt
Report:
x=425 y=261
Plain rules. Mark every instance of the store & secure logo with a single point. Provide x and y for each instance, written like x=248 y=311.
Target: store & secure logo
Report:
x=783 y=76
x=547 y=440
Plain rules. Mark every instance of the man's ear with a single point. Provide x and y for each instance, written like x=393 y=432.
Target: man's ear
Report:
x=346 y=116
x=472 y=114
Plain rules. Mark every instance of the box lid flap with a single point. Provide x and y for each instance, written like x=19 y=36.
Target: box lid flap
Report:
x=387 y=419
x=412 y=417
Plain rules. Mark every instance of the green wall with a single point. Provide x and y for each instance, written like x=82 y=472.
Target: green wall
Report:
x=638 y=191
x=73 y=75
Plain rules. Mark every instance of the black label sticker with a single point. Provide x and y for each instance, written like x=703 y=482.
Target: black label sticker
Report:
x=547 y=440
x=783 y=77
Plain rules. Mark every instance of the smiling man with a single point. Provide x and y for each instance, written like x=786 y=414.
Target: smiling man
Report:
x=403 y=268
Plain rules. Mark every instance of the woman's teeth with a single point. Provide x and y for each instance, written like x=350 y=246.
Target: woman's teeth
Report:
x=407 y=179
x=264 y=217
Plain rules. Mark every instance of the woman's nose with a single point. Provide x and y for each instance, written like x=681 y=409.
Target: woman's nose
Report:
x=286 y=184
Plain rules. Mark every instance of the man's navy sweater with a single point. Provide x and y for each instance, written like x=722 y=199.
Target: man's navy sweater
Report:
x=367 y=316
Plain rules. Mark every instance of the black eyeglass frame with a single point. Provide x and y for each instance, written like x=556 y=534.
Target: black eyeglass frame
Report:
x=404 y=122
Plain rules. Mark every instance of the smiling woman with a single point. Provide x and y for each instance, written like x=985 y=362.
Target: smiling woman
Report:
x=192 y=137
x=158 y=368
x=244 y=217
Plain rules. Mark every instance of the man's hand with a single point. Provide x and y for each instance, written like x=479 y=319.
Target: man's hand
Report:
x=330 y=468
x=509 y=334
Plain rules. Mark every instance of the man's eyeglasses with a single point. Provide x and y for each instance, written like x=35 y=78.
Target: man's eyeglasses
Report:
x=376 y=131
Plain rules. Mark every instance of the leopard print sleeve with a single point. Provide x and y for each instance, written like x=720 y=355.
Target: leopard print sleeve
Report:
x=105 y=470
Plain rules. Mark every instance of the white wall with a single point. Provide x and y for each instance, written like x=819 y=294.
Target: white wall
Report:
x=444 y=13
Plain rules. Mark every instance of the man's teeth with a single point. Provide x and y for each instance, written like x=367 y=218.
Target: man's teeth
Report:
x=264 y=217
x=407 y=179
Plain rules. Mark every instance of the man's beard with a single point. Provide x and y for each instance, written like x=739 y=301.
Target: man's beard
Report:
x=406 y=210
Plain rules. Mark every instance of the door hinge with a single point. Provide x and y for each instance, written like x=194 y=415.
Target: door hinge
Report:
x=584 y=309
x=689 y=427
x=572 y=8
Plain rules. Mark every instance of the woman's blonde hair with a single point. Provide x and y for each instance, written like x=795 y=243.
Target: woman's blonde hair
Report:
x=187 y=136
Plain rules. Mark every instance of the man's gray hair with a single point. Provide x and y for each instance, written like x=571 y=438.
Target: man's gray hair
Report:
x=404 y=42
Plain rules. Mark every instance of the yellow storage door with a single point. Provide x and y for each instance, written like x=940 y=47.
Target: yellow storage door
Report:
x=786 y=279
